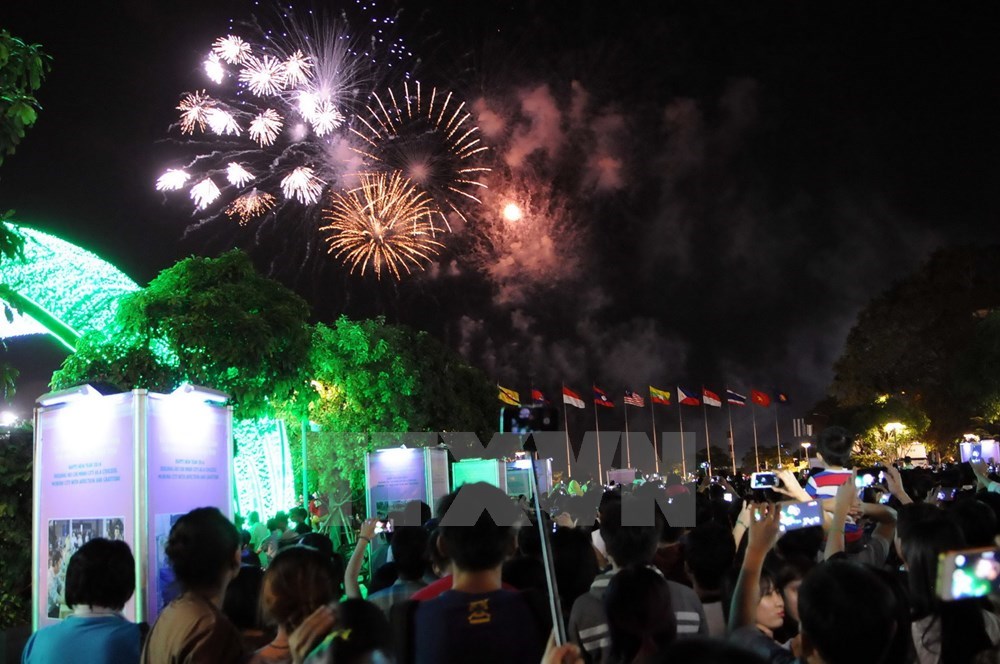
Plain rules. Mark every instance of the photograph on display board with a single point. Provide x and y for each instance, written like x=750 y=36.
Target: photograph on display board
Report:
x=66 y=536
x=166 y=587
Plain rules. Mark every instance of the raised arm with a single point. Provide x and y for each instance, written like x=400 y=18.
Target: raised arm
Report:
x=895 y=484
x=763 y=534
x=353 y=569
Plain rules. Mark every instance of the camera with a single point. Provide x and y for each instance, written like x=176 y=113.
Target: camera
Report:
x=968 y=573
x=764 y=481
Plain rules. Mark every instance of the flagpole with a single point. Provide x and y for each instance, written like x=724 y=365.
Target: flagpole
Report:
x=777 y=435
x=569 y=463
x=680 y=421
x=652 y=414
x=597 y=428
x=732 y=441
x=628 y=455
x=708 y=444
x=756 y=456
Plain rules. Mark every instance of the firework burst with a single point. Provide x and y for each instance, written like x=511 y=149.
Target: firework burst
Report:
x=383 y=225
x=432 y=140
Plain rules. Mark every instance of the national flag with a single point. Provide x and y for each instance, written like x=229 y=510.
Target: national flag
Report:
x=710 y=398
x=572 y=398
x=659 y=396
x=509 y=396
x=760 y=398
x=736 y=399
x=537 y=396
x=687 y=399
x=781 y=397
x=601 y=398
x=633 y=399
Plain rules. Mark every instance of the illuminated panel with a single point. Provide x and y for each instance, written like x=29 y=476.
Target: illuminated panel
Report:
x=263 y=467
x=63 y=289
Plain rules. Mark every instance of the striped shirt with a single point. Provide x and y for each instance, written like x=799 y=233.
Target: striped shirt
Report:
x=588 y=625
x=825 y=484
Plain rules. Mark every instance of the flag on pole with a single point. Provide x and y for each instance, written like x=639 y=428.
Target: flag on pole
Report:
x=572 y=398
x=710 y=398
x=537 y=397
x=659 y=396
x=633 y=399
x=509 y=396
x=687 y=399
x=760 y=398
x=736 y=399
x=781 y=397
x=601 y=398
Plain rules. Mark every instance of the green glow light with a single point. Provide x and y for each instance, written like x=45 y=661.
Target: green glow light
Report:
x=64 y=290
x=262 y=467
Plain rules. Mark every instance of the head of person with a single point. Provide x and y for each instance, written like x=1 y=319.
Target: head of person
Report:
x=771 y=607
x=204 y=550
x=976 y=520
x=788 y=574
x=100 y=574
x=834 y=446
x=253 y=518
x=575 y=563
x=641 y=619
x=484 y=543
x=709 y=551
x=361 y=635
x=55 y=560
x=629 y=545
x=297 y=582
x=243 y=597
x=847 y=614
x=409 y=550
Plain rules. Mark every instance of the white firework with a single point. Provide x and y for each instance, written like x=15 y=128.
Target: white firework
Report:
x=264 y=76
x=265 y=127
x=204 y=193
x=325 y=118
x=172 y=180
x=237 y=175
x=193 y=108
x=214 y=69
x=232 y=49
x=222 y=122
x=297 y=68
x=302 y=185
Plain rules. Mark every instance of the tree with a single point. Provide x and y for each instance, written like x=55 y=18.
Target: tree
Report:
x=885 y=430
x=977 y=381
x=15 y=524
x=908 y=340
x=208 y=321
x=722 y=463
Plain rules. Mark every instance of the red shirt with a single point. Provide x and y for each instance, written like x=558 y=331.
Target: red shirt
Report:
x=442 y=585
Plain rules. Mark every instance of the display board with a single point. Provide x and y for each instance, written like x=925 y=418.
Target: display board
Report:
x=985 y=450
x=469 y=471
x=622 y=475
x=122 y=466
x=397 y=475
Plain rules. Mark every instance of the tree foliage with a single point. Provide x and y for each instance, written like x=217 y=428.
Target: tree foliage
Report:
x=15 y=524
x=909 y=340
x=207 y=321
x=22 y=69
x=885 y=429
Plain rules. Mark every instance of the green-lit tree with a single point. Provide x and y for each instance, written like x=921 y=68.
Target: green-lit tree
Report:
x=208 y=321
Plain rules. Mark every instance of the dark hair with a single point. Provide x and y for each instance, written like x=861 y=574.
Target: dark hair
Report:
x=202 y=546
x=709 y=551
x=844 y=610
x=409 y=547
x=640 y=615
x=100 y=573
x=484 y=545
x=242 y=598
x=976 y=520
x=627 y=545
x=835 y=444
x=575 y=562
x=703 y=650
x=924 y=534
x=254 y=517
x=296 y=583
x=362 y=629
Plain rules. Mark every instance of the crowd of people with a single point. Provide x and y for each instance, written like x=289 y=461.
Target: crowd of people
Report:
x=733 y=586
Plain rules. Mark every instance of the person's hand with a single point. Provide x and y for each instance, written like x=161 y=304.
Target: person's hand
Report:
x=312 y=630
x=565 y=520
x=893 y=481
x=980 y=468
x=765 y=523
x=567 y=653
x=932 y=497
x=368 y=529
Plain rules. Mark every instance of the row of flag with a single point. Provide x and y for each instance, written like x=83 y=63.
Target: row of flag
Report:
x=656 y=396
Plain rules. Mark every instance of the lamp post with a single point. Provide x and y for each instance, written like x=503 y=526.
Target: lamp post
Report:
x=805 y=452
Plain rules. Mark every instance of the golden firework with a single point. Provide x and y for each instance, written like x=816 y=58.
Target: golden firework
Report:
x=384 y=224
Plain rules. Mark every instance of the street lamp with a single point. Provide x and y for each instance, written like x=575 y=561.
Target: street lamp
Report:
x=805 y=451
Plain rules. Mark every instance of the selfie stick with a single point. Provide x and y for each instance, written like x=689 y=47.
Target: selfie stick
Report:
x=555 y=608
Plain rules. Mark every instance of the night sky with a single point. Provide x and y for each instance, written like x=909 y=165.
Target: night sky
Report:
x=724 y=184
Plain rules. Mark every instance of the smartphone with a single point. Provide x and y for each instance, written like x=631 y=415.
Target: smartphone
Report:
x=968 y=573
x=800 y=515
x=380 y=527
x=715 y=479
x=947 y=494
x=885 y=498
x=728 y=497
x=865 y=480
x=764 y=480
